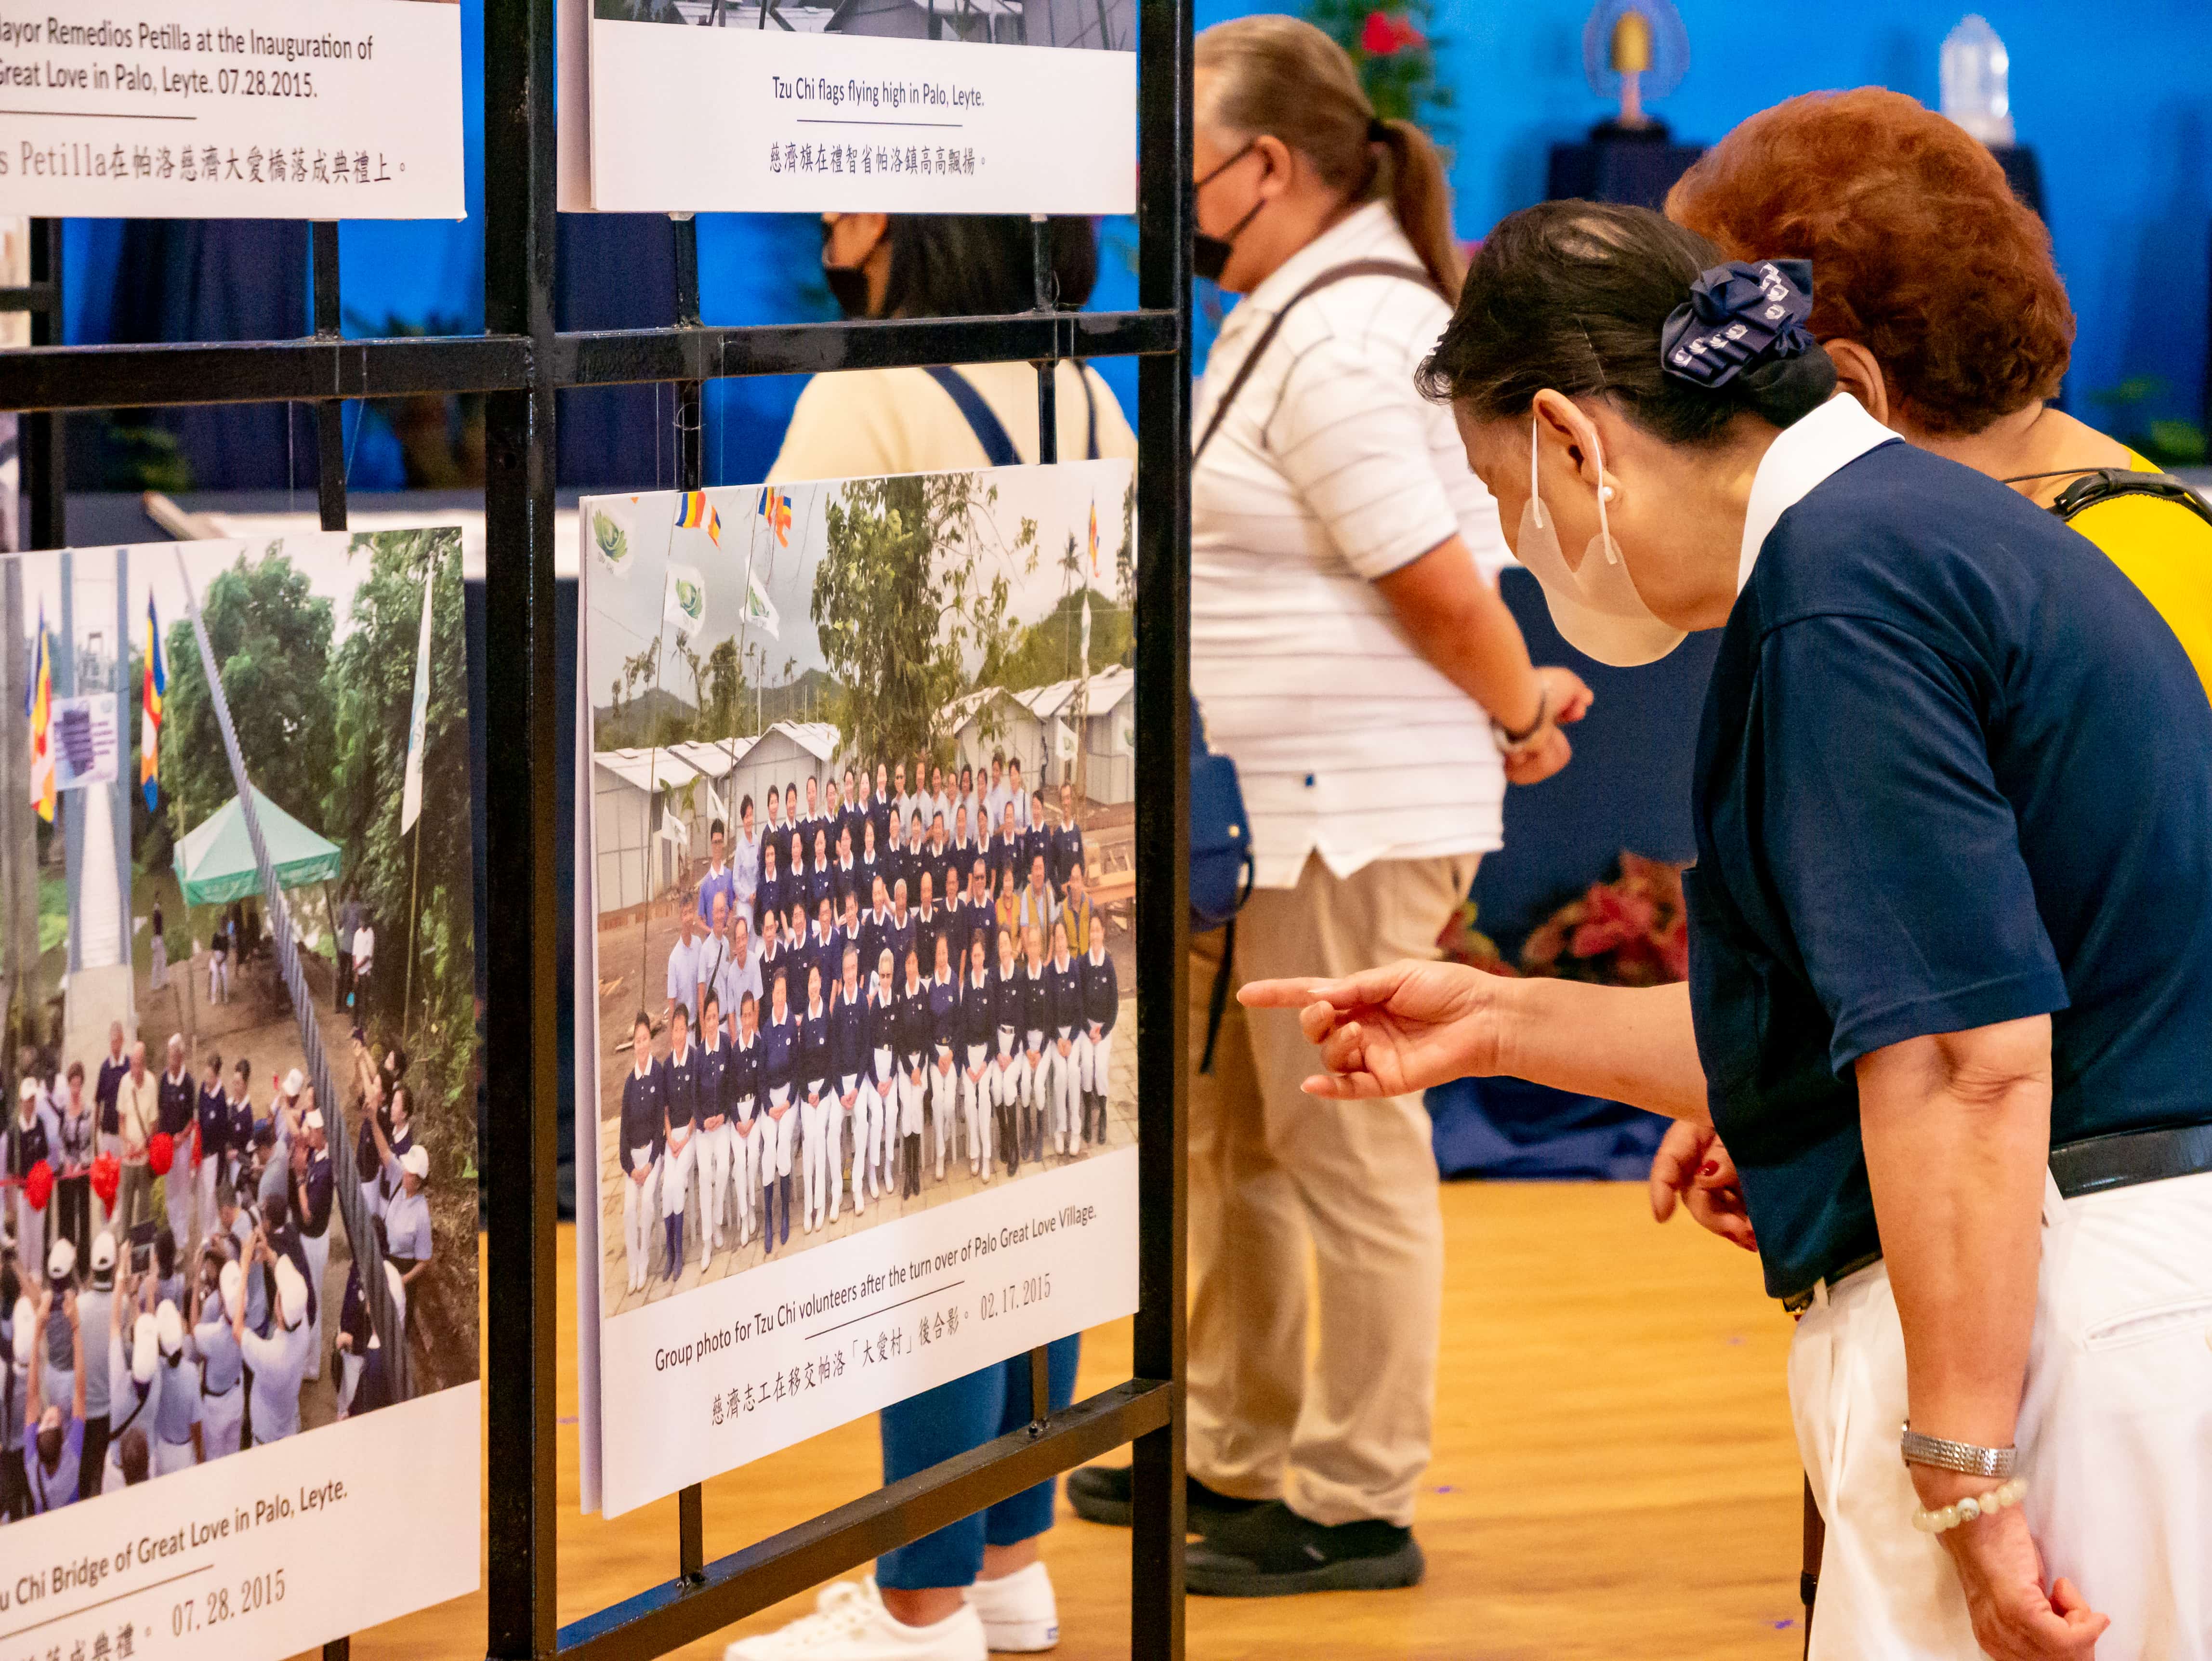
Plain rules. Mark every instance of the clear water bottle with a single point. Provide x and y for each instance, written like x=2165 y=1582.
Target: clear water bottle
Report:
x=1976 y=76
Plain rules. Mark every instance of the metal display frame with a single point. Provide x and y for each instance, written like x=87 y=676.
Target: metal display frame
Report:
x=519 y=363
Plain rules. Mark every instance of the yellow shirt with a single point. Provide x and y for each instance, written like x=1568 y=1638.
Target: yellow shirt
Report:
x=2166 y=552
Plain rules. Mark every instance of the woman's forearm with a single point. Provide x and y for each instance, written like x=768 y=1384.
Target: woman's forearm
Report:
x=1957 y=1130
x=1632 y=1044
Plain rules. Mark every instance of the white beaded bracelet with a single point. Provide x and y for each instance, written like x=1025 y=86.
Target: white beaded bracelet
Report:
x=1964 y=1511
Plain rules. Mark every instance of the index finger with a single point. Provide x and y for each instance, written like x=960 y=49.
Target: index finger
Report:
x=1290 y=993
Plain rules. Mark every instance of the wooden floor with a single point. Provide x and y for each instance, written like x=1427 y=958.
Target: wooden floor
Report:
x=1614 y=1475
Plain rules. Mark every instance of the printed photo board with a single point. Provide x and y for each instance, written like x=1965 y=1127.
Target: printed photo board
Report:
x=238 y=1292
x=856 y=1022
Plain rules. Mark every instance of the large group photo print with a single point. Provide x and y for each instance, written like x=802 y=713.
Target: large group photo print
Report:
x=862 y=767
x=238 y=1190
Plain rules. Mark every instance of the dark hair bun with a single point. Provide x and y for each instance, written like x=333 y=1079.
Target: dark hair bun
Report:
x=1783 y=390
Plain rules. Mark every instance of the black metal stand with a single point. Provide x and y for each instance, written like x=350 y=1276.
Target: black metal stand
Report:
x=518 y=363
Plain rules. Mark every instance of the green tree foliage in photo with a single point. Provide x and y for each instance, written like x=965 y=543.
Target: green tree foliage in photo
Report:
x=910 y=604
x=372 y=683
x=271 y=634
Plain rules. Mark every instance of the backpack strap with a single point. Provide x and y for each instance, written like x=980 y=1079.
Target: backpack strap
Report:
x=2102 y=484
x=1329 y=279
x=990 y=432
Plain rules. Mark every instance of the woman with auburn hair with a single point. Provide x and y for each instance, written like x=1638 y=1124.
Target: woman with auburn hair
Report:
x=1939 y=302
x=1951 y=939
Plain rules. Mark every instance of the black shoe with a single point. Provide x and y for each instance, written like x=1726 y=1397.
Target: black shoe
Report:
x=1274 y=1552
x=1105 y=1494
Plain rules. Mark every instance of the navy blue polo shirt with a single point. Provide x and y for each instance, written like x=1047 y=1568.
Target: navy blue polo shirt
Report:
x=1953 y=770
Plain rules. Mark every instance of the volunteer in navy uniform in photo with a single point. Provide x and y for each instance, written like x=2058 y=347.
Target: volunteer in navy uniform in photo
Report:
x=945 y=1044
x=1035 y=1004
x=875 y=925
x=1066 y=978
x=1094 y=1045
x=1009 y=1074
x=779 y=1072
x=773 y=959
x=679 y=1107
x=844 y=870
x=979 y=1021
x=641 y=1132
x=211 y=1112
x=715 y=1139
x=821 y=871
x=913 y=1030
x=817 y=1101
x=853 y=934
x=178 y=1100
x=849 y=1063
x=895 y=865
x=749 y=1125
x=869 y=860
x=1067 y=854
x=828 y=951
x=883 y=1081
x=31 y=1142
x=929 y=921
x=768 y=894
x=312 y=1187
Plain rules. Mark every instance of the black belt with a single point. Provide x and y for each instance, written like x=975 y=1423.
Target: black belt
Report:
x=2095 y=1164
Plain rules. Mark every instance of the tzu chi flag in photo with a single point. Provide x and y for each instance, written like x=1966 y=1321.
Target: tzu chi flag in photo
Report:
x=685 y=603
x=39 y=703
x=149 y=729
x=419 y=724
x=760 y=609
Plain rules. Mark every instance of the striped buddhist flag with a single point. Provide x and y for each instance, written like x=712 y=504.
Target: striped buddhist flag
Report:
x=39 y=701
x=694 y=513
x=775 y=509
x=149 y=728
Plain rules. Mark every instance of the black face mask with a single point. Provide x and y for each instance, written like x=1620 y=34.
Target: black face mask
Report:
x=848 y=284
x=1209 y=255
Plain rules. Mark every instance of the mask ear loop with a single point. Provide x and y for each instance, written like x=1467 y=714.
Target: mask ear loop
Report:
x=1604 y=532
x=1535 y=492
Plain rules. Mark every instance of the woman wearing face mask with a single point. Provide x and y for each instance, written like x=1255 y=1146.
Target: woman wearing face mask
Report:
x=1351 y=654
x=1950 y=965
x=864 y=422
x=980 y=1584
x=1939 y=303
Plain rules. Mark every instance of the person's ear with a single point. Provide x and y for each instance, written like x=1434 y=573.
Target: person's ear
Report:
x=1280 y=167
x=1859 y=375
x=1565 y=433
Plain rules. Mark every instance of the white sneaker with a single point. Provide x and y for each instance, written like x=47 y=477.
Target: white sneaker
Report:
x=850 y=1624
x=1019 y=1611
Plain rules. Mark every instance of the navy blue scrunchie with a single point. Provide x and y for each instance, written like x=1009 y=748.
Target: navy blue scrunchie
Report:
x=1737 y=315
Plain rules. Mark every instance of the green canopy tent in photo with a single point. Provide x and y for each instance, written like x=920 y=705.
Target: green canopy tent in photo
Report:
x=215 y=861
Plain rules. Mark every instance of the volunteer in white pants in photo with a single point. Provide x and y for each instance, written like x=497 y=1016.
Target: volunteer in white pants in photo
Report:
x=1037 y=1079
x=715 y=1139
x=1065 y=977
x=640 y=1131
x=679 y=1111
x=849 y=1062
x=813 y=1088
x=943 y=1040
x=1094 y=1044
x=779 y=1063
x=741 y=1091
x=979 y=1022
x=880 y=1090
x=1009 y=1076
x=913 y=1067
x=1951 y=941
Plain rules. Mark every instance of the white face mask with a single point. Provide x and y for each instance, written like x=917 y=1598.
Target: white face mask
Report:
x=1595 y=606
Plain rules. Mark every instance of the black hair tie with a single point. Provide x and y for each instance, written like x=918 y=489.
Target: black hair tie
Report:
x=1378 y=130
x=1737 y=315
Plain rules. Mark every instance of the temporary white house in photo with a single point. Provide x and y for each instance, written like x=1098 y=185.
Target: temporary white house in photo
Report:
x=1039 y=726
x=789 y=752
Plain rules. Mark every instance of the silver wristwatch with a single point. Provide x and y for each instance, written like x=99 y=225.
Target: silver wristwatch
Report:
x=1963 y=1457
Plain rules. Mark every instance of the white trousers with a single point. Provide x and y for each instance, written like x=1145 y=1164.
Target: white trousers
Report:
x=744 y=1168
x=775 y=1145
x=2115 y=1437
x=975 y=1098
x=860 y=1120
x=1094 y=1060
x=676 y=1171
x=318 y=1249
x=160 y=956
x=944 y=1101
x=210 y=1167
x=349 y=1369
x=833 y=1149
x=640 y=1209
x=1066 y=1097
x=222 y=1416
x=813 y=1114
x=867 y=1138
x=176 y=1194
x=170 y=1457
x=716 y=1144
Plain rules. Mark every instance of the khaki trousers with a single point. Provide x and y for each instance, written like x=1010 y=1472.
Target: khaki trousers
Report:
x=1343 y=1435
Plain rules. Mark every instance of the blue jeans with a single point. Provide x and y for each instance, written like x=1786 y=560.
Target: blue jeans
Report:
x=935 y=1426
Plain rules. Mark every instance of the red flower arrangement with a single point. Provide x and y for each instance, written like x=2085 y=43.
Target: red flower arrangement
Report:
x=1388 y=32
x=1632 y=931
